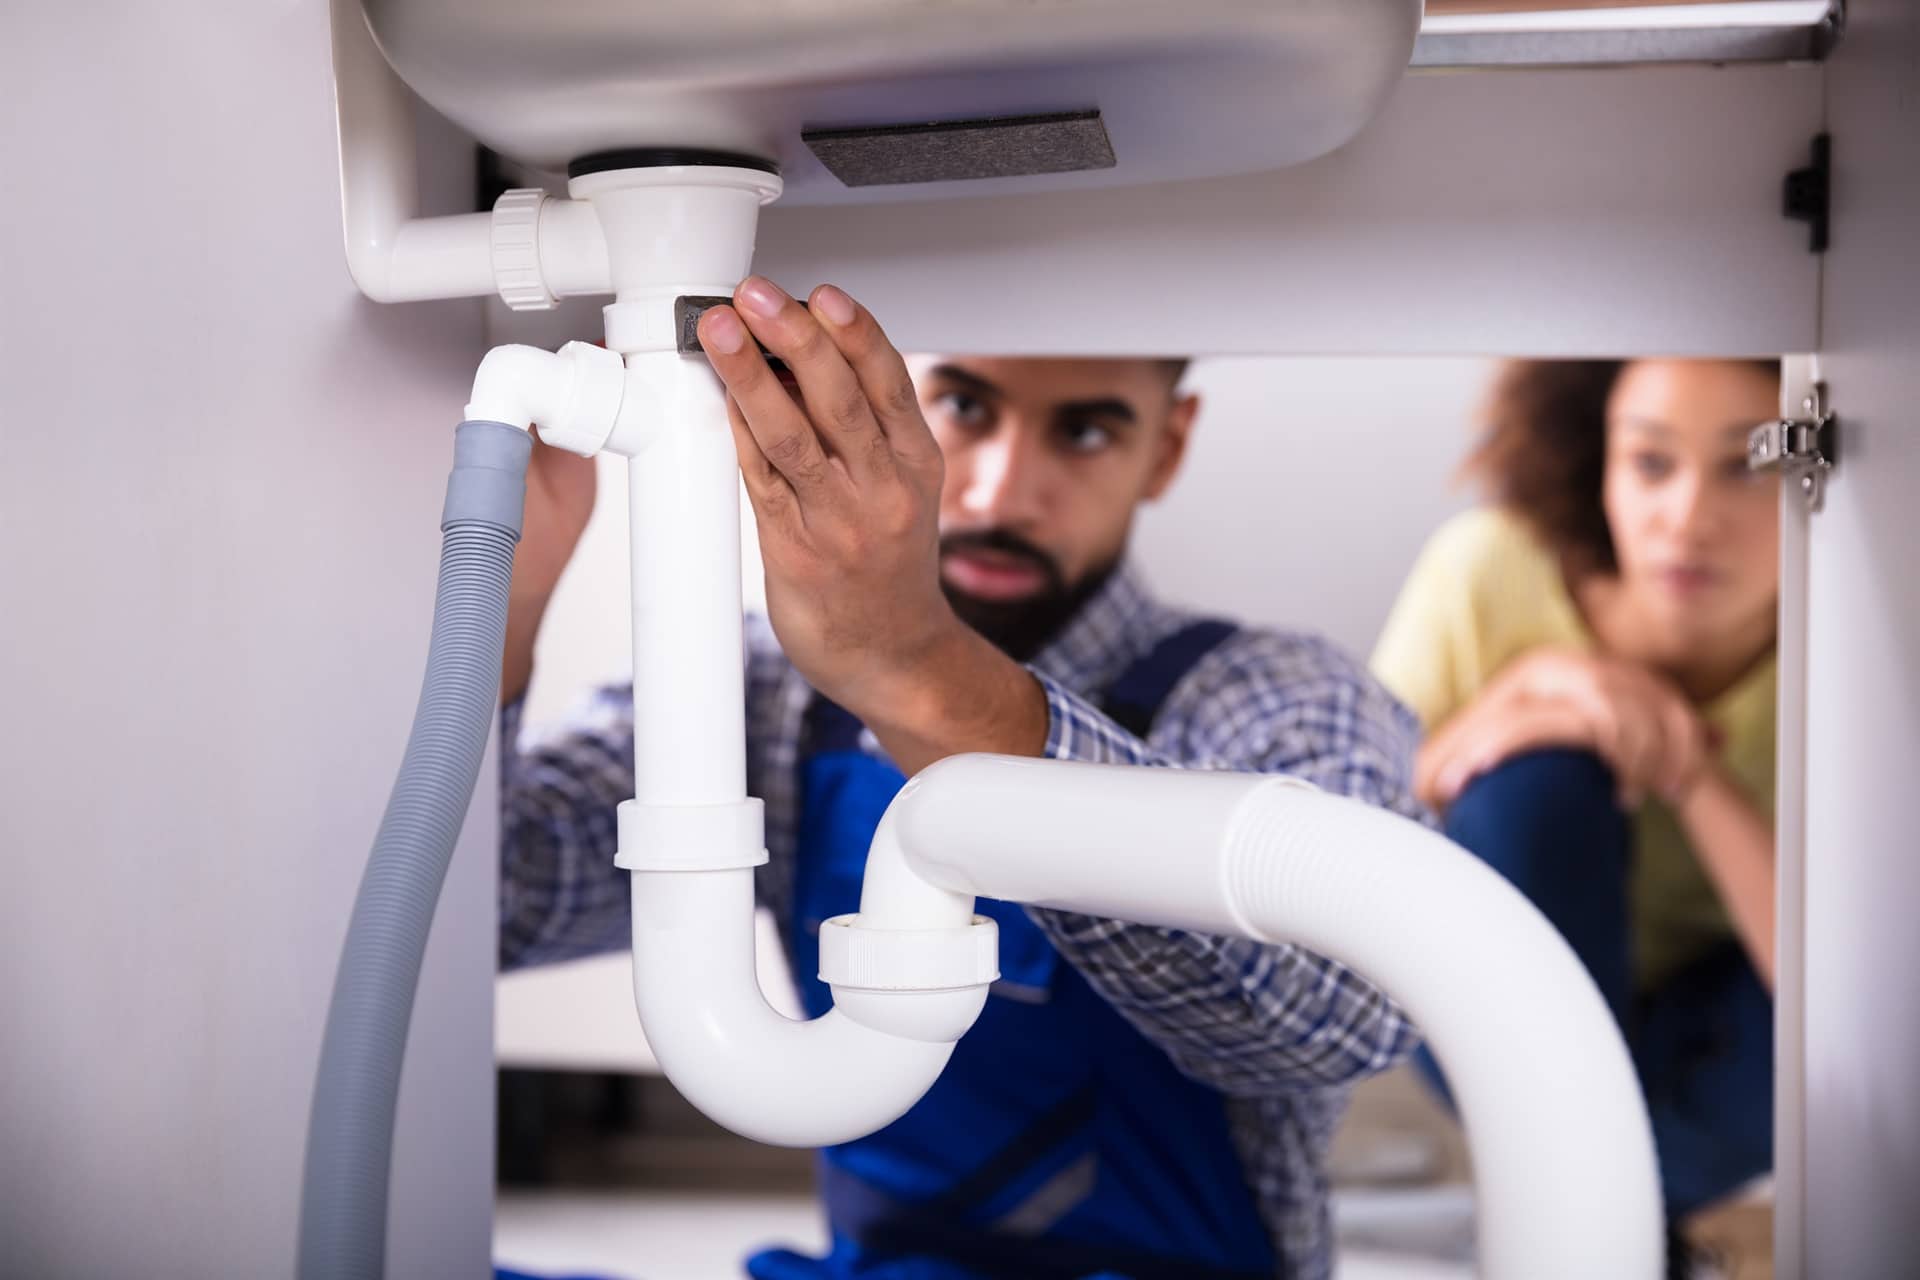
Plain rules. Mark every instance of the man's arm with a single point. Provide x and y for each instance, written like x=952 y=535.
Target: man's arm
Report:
x=561 y=897
x=845 y=482
x=560 y=894
x=1248 y=1018
x=560 y=493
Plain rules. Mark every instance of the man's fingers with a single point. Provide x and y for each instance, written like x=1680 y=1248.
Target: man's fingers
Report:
x=877 y=364
x=835 y=401
x=768 y=492
x=779 y=428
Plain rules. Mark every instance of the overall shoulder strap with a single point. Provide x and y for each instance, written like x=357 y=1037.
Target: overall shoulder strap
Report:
x=1134 y=699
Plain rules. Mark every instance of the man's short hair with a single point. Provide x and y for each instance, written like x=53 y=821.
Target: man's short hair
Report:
x=1176 y=369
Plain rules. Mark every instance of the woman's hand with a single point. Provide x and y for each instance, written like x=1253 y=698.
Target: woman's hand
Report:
x=1633 y=718
x=1496 y=726
x=1641 y=723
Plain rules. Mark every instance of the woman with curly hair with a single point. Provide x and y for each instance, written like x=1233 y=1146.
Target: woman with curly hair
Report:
x=1592 y=654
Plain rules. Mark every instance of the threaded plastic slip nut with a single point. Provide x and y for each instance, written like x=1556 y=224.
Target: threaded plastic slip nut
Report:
x=691 y=837
x=855 y=955
x=516 y=251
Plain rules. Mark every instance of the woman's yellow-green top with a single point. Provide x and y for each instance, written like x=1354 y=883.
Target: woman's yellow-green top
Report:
x=1484 y=591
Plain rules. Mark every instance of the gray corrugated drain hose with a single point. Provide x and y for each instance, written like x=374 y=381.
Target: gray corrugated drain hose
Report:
x=343 y=1203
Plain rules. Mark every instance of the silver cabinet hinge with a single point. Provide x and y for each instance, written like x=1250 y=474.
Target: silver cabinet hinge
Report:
x=1802 y=449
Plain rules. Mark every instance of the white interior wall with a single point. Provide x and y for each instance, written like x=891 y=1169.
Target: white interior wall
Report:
x=1310 y=486
x=220 y=481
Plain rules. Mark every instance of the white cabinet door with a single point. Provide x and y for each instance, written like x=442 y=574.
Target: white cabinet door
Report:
x=1855 y=1213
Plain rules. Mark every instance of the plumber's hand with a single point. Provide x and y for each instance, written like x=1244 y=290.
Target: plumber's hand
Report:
x=845 y=479
x=560 y=490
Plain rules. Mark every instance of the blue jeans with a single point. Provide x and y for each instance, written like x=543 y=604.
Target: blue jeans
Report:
x=1703 y=1040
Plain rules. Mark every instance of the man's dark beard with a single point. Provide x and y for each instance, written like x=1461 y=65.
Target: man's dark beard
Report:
x=1020 y=628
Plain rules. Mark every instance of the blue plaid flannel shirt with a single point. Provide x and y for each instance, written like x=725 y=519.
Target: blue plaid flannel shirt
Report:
x=1279 y=1031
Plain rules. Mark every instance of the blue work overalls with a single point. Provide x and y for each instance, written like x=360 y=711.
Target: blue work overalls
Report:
x=1059 y=1143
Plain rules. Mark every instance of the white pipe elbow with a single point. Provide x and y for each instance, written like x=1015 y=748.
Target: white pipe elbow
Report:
x=573 y=395
x=1546 y=1090
x=393 y=255
x=529 y=250
x=909 y=975
x=894 y=896
x=763 y=1075
x=1561 y=1143
x=518 y=385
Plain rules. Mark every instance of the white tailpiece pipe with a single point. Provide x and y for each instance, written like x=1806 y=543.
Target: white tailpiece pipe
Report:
x=688 y=662
x=691 y=836
x=1562 y=1149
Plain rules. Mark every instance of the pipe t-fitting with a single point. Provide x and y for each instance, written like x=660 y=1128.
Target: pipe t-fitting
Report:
x=573 y=395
